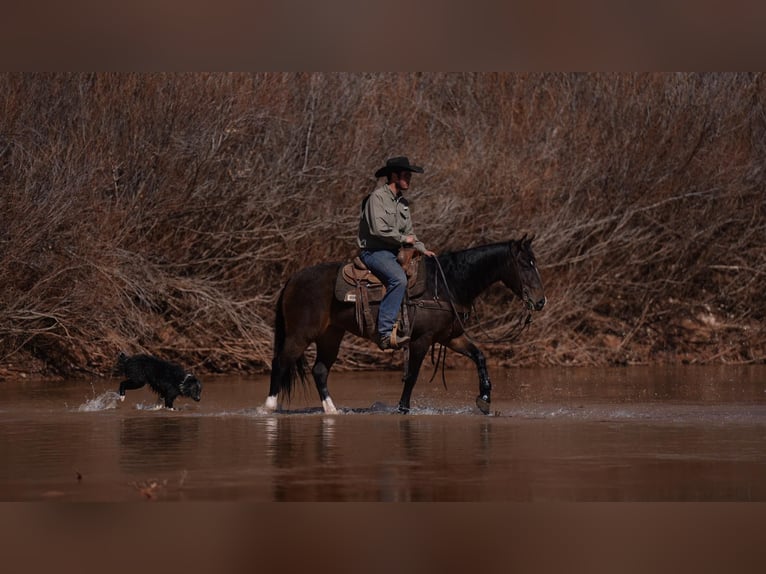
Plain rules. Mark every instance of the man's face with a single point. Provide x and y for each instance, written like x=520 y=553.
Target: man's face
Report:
x=402 y=180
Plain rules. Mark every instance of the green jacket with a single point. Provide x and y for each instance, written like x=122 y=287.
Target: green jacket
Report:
x=385 y=221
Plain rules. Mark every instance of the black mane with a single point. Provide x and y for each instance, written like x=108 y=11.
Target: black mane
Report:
x=469 y=271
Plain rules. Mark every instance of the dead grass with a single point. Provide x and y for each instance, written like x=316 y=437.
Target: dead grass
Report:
x=162 y=212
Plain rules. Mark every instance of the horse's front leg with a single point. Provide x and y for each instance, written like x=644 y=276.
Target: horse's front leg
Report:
x=463 y=346
x=417 y=352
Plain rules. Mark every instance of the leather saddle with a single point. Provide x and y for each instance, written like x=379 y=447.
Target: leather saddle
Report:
x=355 y=276
x=358 y=285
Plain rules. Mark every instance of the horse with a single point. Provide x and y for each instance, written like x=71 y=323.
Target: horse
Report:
x=307 y=311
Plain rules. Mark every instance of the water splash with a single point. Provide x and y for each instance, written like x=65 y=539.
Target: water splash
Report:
x=151 y=407
x=105 y=401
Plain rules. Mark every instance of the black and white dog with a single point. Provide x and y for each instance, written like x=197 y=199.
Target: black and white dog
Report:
x=166 y=379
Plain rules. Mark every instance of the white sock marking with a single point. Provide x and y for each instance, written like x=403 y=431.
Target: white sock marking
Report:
x=329 y=406
x=270 y=404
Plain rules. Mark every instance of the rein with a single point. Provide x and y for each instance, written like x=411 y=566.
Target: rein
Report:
x=515 y=331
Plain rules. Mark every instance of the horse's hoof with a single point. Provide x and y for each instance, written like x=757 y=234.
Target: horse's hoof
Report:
x=482 y=401
x=402 y=410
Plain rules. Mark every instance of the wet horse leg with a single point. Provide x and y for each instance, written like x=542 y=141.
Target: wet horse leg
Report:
x=417 y=352
x=283 y=367
x=327 y=351
x=463 y=346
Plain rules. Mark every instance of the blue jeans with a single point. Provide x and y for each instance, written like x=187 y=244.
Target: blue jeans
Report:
x=385 y=267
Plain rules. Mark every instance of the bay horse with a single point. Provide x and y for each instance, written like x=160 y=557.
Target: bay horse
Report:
x=308 y=312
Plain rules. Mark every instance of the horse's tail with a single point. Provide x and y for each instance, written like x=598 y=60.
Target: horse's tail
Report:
x=284 y=369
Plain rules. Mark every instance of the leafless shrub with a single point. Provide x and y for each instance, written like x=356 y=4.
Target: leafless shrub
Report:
x=163 y=212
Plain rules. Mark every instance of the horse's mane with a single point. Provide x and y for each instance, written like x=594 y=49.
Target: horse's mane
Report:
x=470 y=271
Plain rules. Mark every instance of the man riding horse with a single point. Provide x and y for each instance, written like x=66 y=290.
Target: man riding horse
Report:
x=385 y=226
x=310 y=310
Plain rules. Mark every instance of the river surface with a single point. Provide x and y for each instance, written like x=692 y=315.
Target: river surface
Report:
x=624 y=434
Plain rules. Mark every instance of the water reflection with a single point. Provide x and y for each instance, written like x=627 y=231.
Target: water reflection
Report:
x=485 y=428
x=377 y=457
x=303 y=450
x=326 y=440
x=412 y=449
x=158 y=442
x=557 y=435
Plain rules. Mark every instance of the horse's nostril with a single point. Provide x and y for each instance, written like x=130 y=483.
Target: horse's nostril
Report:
x=540 y=304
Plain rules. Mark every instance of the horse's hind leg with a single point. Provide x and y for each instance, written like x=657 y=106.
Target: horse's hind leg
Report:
x=277 y=373
x=417 y=352
x=285 y=366
x=327 y=351
x=463 y=346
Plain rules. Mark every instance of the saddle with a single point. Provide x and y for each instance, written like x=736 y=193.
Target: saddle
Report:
x=356 y=284
x=355 y=275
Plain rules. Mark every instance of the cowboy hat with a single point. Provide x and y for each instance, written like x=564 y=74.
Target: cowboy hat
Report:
x=397 y=164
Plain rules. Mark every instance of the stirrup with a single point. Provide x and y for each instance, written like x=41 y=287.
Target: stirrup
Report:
x=397 y=342
x=392 y=341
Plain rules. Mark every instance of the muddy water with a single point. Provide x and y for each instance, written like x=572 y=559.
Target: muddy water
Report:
x=636 y=434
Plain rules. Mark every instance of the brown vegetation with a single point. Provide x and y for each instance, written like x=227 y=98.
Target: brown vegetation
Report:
x=161 y=213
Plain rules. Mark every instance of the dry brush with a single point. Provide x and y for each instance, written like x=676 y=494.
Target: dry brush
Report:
x=162 y=212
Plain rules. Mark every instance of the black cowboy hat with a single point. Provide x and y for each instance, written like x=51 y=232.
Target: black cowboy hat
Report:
x=397 y=164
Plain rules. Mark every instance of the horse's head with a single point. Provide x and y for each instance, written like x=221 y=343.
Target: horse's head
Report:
x=522 y=276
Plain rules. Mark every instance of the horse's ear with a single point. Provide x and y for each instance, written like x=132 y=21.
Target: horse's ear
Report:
x=526 y=241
